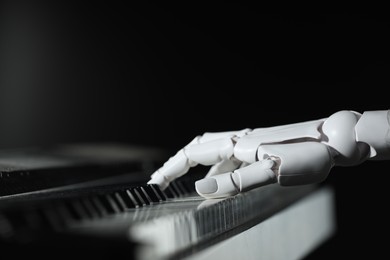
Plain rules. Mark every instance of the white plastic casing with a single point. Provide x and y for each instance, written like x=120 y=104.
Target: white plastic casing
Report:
x=373 y=129
x=300 y=163
x=246 y=147
x=339 y=133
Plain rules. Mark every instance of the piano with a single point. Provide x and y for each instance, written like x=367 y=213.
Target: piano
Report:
x=95 y=197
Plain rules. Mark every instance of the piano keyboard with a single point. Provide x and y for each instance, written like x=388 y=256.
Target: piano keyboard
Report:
x=124 y=213
x=59 y=208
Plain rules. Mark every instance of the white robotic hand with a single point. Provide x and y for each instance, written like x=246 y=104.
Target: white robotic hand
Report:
x=293 y=154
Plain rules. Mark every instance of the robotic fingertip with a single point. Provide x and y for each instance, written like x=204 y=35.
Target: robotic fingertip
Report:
x=206 y=186
x=218 y=186
x=160 y=180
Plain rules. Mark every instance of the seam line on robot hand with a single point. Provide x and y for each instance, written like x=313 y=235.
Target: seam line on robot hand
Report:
x=275 y=168
x=238 y=189
x=190 y=162
x=276 y=162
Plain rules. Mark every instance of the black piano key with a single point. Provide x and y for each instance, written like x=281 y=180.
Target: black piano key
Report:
x=111 y=201
x=65 y=214
x=183 y=187
x=81 y=209
x=72 y=210
x=134 y=200
x=120 y=201
x=145 y=195
x=86 y=209
x=176 y=189
x=150 y=193
x=159 y=194
x=54 y=219
x=140 y=196
x=179 y=187
x=116 y=202
x=126 y=199
x=189 y=186
x=99 y=206
x=90 y=208
x=106 y=204
x=170 y=192
x=78 y=209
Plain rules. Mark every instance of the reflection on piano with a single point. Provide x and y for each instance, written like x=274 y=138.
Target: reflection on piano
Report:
x=96 y=196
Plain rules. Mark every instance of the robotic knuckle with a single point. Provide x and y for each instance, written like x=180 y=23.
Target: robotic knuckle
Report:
x=339 y=133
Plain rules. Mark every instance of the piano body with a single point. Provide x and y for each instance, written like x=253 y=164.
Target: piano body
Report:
x=94 y=196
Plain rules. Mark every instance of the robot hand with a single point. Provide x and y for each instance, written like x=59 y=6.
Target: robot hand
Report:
x=293 y=154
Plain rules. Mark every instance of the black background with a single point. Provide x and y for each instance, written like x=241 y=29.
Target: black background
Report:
x=159 y=74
